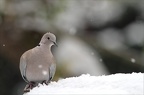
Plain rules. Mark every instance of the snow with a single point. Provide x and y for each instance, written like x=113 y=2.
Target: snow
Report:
x=133 y=60
x=123 y=84
x=3 y=45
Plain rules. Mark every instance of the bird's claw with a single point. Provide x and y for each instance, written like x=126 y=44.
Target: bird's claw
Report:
x=29 y=86
x=45 y=82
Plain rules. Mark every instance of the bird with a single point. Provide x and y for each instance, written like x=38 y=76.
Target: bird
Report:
x=38 y=65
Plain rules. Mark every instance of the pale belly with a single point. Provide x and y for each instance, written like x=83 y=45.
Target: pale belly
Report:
x=37 y=73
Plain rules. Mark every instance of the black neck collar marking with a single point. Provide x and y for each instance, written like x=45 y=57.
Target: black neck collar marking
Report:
x=38 y=45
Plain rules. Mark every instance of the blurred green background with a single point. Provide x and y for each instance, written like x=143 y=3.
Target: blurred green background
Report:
x=99 y=37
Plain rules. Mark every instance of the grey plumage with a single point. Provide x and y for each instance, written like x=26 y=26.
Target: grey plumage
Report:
x=37 y=65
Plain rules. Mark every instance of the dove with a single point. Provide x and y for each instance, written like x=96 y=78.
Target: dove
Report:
x=38 y=65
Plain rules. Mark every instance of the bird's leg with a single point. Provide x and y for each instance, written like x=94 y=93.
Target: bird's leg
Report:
x=26 y=89
x=29 y=86
x=32 y=85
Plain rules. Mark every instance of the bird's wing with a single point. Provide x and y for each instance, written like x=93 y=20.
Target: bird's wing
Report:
x=52 y=70
x=23 y=66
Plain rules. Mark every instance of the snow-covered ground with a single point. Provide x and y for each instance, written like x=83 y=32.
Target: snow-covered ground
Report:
x=122 y=84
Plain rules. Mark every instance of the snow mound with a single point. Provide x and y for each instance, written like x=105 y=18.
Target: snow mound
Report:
x=126 y=84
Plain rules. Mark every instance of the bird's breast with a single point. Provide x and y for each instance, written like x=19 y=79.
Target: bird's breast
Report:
x=38 y=66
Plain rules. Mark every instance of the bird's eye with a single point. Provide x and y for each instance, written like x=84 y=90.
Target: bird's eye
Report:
x=48 y=38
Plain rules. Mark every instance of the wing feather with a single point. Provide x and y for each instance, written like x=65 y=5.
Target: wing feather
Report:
x=52 y=70
x=23 y=66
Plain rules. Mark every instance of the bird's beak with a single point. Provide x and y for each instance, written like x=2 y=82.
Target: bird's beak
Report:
x=55 y=44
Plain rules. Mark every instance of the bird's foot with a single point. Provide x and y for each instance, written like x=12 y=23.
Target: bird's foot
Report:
x=45 y=82
x=29 y=86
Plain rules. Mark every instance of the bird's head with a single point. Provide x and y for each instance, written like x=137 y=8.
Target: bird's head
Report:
x=48 y=39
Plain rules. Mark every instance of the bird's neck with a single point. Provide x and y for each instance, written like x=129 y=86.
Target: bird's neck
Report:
x=45 y=46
